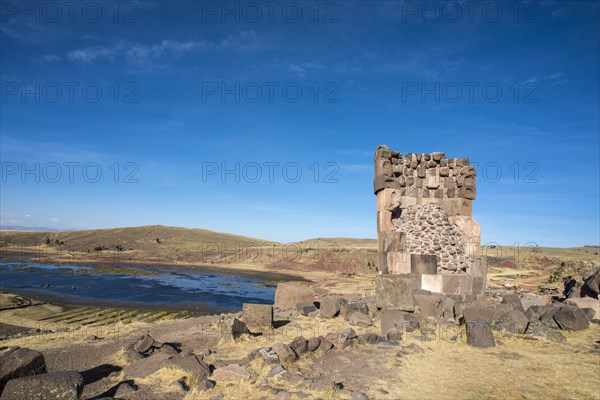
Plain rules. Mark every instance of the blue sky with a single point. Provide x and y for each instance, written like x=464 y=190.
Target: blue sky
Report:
x=161 y=97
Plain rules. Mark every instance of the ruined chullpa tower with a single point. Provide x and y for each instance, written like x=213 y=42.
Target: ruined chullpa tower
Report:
x=425 y=231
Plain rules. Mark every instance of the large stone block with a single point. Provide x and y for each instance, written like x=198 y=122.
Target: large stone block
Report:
x=430 y=305
x=396 y=319
x=19 y=363
x=514 y=301
x=384 y=221
x=398 y=262
x=480 y=334
x=533 y=299
x=394 y=292
x=383 y=167
x=388 y=199
x=382 y=182
x=586 y=302
x=383 y=151
x=478 y=285
x=471 y=232
x=258 y=317
x=467 y=192
x=288 y=295
x=432 y=282
x=458 y=206
x=330 y=306
x=394 y=241
x=382 y=261
x=571 y=318
x=456 y=284
x=63 y=385
x=424 y=263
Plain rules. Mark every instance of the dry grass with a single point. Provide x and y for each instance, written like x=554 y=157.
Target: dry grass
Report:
x=519 y=369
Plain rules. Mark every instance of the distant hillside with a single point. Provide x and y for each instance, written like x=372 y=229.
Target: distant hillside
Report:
x=30 y=228
x=154 y=243
x=341 y=242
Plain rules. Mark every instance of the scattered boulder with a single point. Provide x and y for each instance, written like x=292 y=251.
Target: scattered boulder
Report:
x=547 y=318
x=20 y=362
x=325 y=345
x=348 y=307
x=532 y=299
x=586 y=302
x=265 y=353
x=284 y=352
x=278 y=369
x=259 y=317
x=306 y=308
x=479 y=334
x=394 y=334
x=514 y=321
x=360 y=319
x=369 y=338
x=448 y=309
x=589 y=313
x=288 y=295
x=591 y=284
x=571 y=318
x=313 y=344
x=190 y=365
x=348 y=333
x=144 y=343
x=179 y=385
x=130 y=355
x=125 y=389
x=232 y=328
x=230 y=373
x=205 y=384
x=299 y=345
x=64 y=385
x=402 y=320
x=514 y=301
x=147 y=366
x=478 y=313
x=537 y=329
x=534 y=313
x=330 y=306
x=169 y=349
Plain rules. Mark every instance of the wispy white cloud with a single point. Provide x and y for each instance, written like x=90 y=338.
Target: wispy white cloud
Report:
x=356 y=167
x=157 y=55
x=27 y=30
x=48 y=58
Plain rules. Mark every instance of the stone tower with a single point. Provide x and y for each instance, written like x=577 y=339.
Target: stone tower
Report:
x=425 y=230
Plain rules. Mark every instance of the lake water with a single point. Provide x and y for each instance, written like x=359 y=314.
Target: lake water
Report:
x=193 y=289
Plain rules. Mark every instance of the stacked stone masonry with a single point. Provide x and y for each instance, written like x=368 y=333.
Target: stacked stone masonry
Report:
x=424 y=221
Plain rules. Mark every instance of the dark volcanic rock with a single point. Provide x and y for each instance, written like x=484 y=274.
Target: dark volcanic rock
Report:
x=299 y=345
x=144 y=343
x=54 y=385
x=479 y=333
x=330 y=306
x=514 y=321
x=571 y=318
x=20 y=362
x=537 y=329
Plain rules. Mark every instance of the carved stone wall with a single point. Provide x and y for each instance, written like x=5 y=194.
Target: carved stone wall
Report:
x=424 y=221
